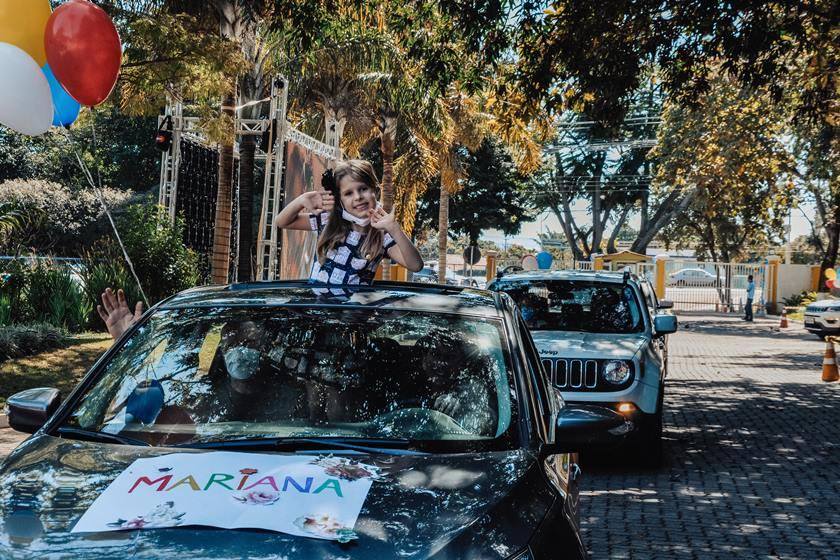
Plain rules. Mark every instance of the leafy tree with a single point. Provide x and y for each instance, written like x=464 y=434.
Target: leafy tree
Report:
x=726 y=159
x=492 y=196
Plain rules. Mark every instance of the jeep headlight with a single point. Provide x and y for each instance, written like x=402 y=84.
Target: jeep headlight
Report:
x=616 y=372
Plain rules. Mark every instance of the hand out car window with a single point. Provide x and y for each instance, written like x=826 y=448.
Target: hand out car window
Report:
x=202 y=375
x=597 y=307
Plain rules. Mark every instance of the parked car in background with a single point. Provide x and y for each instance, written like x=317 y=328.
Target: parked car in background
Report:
x=426 y=275
x=823 y=317
x=436 y=394
x=693 y=277
x=600 y=340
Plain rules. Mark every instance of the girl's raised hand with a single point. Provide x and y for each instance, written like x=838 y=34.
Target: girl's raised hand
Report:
x=382 y=220
x=319 y=201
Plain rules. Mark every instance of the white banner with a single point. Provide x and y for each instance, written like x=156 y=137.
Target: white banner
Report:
x=307 y=496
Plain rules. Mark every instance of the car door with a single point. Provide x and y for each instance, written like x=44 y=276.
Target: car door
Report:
x=562 y=469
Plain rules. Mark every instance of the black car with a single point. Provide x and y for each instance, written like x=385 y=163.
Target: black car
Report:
x=439 y=389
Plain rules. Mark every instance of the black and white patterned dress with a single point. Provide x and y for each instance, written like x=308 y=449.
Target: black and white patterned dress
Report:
x=345 y=264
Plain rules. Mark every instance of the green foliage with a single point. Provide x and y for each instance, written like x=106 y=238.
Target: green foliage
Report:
x=493 y=196
x=18 y=341
x=163 y=263
x=53 y=218
x=125 y=159
x=800 y=299
x=56 y=297
x=728 y=155
x=5 y=310
x=105 y=267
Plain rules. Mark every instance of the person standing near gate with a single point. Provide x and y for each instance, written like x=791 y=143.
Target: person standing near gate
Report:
x=748 y=310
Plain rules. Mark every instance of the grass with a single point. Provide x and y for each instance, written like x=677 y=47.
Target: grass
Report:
x=61 y=368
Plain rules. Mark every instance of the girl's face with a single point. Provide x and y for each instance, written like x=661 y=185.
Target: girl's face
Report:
x=356 y=197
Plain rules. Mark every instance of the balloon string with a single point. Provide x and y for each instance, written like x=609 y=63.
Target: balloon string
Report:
x=99 y=195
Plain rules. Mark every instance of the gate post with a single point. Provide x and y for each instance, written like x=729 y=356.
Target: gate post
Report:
x=597 y=262
x=773 y=282
x=659 y=266
x=490 y=271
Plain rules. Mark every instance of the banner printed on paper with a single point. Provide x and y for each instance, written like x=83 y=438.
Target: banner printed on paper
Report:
x=317 y=497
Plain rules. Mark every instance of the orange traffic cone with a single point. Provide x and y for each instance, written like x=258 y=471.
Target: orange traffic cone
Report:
x=829 y=363
x=783 y=323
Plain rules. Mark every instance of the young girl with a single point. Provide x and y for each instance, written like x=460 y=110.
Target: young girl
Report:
x=355 y=233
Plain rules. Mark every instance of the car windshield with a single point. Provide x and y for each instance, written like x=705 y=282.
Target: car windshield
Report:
x=190 y=376
x=560 y=305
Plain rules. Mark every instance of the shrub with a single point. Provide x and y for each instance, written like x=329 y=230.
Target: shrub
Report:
x=56 y=297
x=53 y=217
x=13 y=278
x=803 y=298
x=105 y=267
x=164 y=264
x=18 y=341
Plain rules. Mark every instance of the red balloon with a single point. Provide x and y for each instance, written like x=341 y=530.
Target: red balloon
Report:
x=829 y=284
x=83 y=51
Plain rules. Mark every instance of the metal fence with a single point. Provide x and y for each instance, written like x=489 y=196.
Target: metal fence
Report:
x=713 y=286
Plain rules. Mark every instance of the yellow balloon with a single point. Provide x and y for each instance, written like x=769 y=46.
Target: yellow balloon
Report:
x=830 y=273
x=22 y=23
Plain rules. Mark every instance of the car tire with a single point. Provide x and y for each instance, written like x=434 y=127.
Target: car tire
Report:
x=648 y=444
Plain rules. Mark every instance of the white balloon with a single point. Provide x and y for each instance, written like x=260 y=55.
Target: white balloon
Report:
x=25 y=98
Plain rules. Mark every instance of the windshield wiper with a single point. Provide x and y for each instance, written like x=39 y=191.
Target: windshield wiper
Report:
x=103 y=437
x=364 y=445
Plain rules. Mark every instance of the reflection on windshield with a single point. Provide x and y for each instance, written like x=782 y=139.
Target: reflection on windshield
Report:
x=198 y=375
x=576 y=306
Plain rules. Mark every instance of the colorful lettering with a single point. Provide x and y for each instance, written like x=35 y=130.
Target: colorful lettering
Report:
x=330 y=483
x=186 y=480
x=265 y=480
x=305 y=489
x=213 y=480
x=164 y=480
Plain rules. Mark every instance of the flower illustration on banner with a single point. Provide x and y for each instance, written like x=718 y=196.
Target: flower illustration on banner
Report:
x=346 y=469
x=164 y=515
x=257 y=498
x=326 y=527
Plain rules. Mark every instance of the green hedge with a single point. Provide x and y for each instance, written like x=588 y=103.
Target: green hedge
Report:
x=18 y=341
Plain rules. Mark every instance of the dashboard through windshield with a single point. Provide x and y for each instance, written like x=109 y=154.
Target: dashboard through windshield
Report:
x=560 y=305
x=192 y=376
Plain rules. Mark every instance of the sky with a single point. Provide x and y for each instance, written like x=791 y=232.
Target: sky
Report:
x=548 y=222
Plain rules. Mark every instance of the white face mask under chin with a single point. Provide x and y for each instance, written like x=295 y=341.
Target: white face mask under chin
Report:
x=364 y=222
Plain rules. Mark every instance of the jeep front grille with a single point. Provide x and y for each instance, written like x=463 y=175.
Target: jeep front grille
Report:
x=571 y=374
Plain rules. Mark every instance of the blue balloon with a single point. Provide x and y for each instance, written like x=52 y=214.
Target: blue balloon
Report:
x=544 y=260
x=65 y=108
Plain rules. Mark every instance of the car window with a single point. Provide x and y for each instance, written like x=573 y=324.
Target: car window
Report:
x=566 y=305
x=218 y=374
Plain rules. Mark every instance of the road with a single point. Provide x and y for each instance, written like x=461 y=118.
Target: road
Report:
x=753 y=454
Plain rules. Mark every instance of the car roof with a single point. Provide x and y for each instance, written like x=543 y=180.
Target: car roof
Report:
x=571 y=275
x=431 y=298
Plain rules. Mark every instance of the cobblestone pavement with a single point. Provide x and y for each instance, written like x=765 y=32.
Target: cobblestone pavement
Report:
x=753 y=454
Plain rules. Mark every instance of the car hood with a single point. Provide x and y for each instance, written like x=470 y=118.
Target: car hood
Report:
x=567 y=344
x=426 y=506
x=825 y=305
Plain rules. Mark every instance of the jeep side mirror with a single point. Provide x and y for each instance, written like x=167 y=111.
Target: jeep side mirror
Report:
x=581 y=426
x=665 y=304
x=665 y=324
x=30 y=409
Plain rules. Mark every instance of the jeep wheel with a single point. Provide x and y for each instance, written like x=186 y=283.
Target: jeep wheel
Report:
x=648 y=440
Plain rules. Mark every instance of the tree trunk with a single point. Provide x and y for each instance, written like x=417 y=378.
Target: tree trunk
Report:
x=443 y=233
x=387 y=140
x=247 y=147
x=220 y=260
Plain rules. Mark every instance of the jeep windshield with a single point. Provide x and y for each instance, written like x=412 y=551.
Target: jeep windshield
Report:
x=328 y=375
x=561 y=305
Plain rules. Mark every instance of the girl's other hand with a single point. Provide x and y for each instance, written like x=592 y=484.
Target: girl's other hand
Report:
x=382 y=220
x=319 y=201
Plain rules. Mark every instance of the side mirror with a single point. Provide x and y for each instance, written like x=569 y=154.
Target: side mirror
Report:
x=30 y=409
x=665 y=304
x=580 y=426
x=665 y=324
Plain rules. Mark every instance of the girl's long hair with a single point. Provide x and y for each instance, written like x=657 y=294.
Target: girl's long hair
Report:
x=337 y=228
